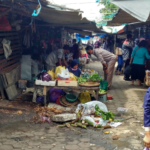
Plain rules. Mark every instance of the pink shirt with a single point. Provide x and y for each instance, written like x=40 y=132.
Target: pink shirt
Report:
x=103 y=55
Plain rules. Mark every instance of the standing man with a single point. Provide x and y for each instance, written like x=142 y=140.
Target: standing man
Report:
x=107 y=59
x=57 y=56
x=127 y=48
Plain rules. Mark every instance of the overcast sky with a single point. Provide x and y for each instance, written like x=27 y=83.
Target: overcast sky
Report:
x=89 y=7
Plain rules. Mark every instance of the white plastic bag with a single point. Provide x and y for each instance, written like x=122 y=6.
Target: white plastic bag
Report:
x=82 y=60
x=64 y=74
x=101 y=121
x=7 y=48
x=89 y=108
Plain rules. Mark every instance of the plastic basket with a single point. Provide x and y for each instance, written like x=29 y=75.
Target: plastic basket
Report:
x=71 y=98
x=103 y=85
x=102 y=97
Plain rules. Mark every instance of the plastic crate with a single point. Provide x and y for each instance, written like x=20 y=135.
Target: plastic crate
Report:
x=102 y=97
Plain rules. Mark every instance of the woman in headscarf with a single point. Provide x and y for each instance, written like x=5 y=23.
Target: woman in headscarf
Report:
x=74 y=68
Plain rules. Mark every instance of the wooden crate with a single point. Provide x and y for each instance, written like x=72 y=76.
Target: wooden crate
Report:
x=67 y=83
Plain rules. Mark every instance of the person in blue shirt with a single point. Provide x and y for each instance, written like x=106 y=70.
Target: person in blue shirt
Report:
x=137 y=60
x=74 y=68
x=146 y=107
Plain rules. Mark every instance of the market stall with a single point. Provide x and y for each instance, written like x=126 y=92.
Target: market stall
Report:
x=89 y=81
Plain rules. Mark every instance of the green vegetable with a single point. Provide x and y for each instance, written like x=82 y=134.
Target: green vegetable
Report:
x=104 y=115
x=97 y=126
x=118 y=120
x=96 y=113
x=89 y=122
x=82 y=79
x=95 y=77
x=101 y=91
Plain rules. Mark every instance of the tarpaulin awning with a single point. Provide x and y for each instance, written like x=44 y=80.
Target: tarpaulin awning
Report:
x=57 y=16
x=131 y=11
x=113 y=30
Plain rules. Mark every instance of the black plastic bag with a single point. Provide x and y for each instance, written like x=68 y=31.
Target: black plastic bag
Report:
x=127 y=70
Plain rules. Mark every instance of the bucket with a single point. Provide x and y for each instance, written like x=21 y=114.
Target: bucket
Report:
x=102 y=97
x=103 y=85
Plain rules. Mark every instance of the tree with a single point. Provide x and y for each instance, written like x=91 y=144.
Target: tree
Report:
x=109 y=11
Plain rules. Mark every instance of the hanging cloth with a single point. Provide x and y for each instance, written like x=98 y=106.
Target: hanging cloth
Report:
x=37 y=11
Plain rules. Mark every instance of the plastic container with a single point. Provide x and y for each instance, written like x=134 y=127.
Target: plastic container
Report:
x=103 y=85
x=102 y=97
x=109 y=97
x=71 y=98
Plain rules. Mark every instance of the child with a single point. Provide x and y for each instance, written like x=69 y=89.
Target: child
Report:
x=74 y=68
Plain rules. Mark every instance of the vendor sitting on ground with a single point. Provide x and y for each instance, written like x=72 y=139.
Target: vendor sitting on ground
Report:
x=55 y=57
x=74 y=68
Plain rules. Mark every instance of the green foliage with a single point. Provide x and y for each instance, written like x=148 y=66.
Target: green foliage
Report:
x=109 y=11
x=105 y=115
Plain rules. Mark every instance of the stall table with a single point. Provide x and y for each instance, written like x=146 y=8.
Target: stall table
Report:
x=71 y=88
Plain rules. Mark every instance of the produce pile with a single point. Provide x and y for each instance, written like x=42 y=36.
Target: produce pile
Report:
x=101 y=91
x=104 y=115
x=84 y=123
x=95 y=78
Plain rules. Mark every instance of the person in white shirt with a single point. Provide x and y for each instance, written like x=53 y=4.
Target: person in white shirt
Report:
x=55 y=57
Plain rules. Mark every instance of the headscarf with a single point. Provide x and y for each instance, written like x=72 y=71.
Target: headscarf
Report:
x=141 y=39
x=74 y=62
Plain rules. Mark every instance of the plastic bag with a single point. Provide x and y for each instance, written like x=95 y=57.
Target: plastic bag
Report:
x=101 y=121
x=7 y=48
x=58 y=70
x=82 y=60
x=84 y=97
x=89 y=108
x=54 y=94
x=52 y=74
x=64 y=74
x=40 y=99
x=127 y=70
x=72 y=77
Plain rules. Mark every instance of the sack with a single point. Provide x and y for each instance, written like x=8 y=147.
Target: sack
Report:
x=72 y=77
x=64 y=74
x=82 y=60
x=127 y=70
x=84 y=97
x=52 y=74
x=54 y=94
x=58 y=70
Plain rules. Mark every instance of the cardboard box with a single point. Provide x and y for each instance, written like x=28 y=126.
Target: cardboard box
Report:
x=67 y=83
x=22 y=84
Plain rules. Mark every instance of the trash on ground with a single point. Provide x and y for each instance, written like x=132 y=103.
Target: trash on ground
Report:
x=91 y=114
x=44 y=114
x=115 y=137
x=63 y=117
x=121 y=109
x=115 y=124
